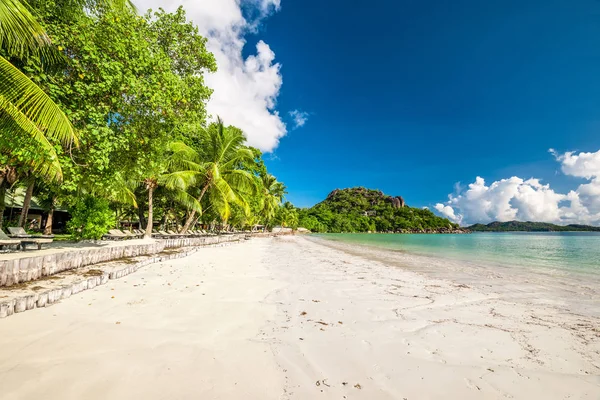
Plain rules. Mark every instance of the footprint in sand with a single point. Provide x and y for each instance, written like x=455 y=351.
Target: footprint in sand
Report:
x=471 y=385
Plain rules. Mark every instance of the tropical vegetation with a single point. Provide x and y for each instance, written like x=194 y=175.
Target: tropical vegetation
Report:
x=365 y=210
x=518 y=226
x=103 y=113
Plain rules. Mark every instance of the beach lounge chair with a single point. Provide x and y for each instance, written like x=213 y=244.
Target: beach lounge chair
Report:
x=156 y=234
x=176 y=235
x=164 y=235
x=131 y=234
x=115 y=234
x=139 y=232
x=19 y=232
x=39 y=241
x=6 y=241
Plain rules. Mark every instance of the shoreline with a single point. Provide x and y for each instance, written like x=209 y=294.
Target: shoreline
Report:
x=288 y=318
x=579 y=290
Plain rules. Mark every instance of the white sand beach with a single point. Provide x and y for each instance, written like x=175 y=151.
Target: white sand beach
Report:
x=290 y=318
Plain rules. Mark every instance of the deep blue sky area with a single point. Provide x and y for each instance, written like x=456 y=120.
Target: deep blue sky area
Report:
x=412 y=96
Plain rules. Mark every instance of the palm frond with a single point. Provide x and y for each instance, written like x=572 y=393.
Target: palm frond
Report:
x=179 y=180
x=186 y=200
x=31 y=108
x=20 y=34
x=242 y=181
x=219 y=203
x=122 y=190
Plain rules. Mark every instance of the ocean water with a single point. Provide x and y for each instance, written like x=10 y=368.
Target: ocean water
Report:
x=573 y=252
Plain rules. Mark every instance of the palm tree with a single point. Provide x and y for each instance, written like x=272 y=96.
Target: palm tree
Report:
x=288 y=215
x=220 y=176
x=25 y=109
x=272 y=196
x=178 y=173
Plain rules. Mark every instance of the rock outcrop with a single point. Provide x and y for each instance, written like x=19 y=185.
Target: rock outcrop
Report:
x=398 y=202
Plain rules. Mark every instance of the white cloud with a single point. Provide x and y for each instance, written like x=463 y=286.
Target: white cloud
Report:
x=299 y=118
x=530 y=200
x=583 y=165
x=245 y=90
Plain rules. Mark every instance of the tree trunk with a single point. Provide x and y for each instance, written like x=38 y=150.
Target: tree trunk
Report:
x=2 y=203
x=26 y=204
x=141 y=217
x=48 y=227
x=163 y=224
x=192 y=215
x=149 y=225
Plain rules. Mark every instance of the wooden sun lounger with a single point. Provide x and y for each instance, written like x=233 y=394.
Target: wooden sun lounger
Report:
x=139 y=232
x=19 y=232
x=132 y=234
x=115 y=234
x=10 y=242
x=156 y=234
x=6 y=241
x=176 y=235
x=23 y=242
x=28 y=239
x=164 y=235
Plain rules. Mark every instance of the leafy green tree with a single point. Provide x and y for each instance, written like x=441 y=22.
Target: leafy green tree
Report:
x=27 y=113
x=91 y=218
x=128 y=83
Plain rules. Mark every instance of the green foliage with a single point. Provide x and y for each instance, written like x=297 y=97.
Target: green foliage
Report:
x=365 y=210
x=91 y=217
x=517 y=226
x=287 y=216
x=133 y=88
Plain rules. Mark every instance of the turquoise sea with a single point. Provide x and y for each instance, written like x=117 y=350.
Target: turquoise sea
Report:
x=568 y=251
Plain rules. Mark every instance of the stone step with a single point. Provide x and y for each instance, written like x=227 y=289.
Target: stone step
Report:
x=28 y=296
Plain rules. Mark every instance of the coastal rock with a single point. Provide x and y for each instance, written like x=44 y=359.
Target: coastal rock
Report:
x=398 y=202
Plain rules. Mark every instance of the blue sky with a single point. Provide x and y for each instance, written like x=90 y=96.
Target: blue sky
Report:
x=452 y=104
x=410 y=97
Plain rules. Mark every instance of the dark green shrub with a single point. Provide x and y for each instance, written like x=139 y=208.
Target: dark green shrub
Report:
x=91 y=218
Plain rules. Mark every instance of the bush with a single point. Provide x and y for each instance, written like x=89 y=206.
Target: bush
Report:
x=91 y=218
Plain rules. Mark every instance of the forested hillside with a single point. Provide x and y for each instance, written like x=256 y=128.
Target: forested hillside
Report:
x=517 y=226
x=364 y=210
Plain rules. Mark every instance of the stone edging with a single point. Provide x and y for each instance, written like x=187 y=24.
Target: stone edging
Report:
x=21 y=270
x=49 y=297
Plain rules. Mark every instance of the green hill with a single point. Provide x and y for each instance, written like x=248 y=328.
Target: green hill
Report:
x=366 y=210
x=517 y=226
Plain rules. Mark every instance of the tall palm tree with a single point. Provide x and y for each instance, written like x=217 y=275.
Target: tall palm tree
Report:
x=179 y=172
x=219 y=172
x=287 y=215
x=25 y=109
x=272 y=196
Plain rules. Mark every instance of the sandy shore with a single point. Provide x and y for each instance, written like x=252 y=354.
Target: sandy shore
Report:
x=289 y=318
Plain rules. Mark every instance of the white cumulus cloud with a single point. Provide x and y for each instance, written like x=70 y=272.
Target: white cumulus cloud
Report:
x=299 y=118
x=245 y=89
x=530 y=200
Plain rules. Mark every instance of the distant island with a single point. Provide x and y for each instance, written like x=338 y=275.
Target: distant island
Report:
x=518 y=226
x=365 y=210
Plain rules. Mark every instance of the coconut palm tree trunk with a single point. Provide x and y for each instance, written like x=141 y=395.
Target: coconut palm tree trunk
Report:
x=190 y=218
x=2 y=203
x=151 y=185
x=26 y=204
x=48 y=227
